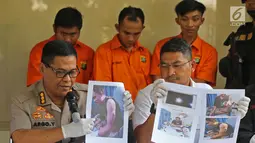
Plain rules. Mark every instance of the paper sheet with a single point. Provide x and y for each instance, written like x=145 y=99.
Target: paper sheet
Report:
x=213 y=112
x=103 y=97
x=177 y=115
x=220 y=119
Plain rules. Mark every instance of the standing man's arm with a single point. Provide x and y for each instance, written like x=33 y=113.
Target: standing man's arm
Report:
x=111 y=115
x=92 y=65
x=102 y=70
x=33 y=71
x=155 y=60
x=207 y=73
x=147 y=73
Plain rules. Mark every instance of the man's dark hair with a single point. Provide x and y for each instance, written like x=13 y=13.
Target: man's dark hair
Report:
x=68 y=17
x=177 y=45
x=211 y=120
x=187 y=6
x=132 y=13
x=98 y=88
x=57 y=48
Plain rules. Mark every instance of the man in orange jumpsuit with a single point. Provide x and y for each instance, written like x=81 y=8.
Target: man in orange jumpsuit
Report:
x=67 y=27
x=204 y=56
x=124 y=59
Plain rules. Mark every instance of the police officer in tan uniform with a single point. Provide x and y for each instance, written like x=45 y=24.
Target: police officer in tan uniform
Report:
x=41 y=113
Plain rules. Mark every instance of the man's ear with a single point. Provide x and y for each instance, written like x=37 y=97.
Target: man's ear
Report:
x=117 y=27
x=193 y=64
x=202 y=20
x=42 y=68
x=177 y=20
x=54 y=28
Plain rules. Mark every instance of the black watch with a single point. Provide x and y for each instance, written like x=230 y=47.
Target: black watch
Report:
x=153 y=110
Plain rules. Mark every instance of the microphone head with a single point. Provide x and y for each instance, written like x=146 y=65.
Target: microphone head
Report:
x=72 y=101
x=70 y=96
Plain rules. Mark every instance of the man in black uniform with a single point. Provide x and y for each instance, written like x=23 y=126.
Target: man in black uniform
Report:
x=239 y=69
x=238 y=66
x=246 y=132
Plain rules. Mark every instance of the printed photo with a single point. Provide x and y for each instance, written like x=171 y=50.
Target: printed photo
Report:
x=219 y=128
x=107 y=109
x=181 y=99
x=220 y=105
x=175 y=123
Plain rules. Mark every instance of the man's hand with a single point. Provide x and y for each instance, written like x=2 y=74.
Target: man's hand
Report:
x=158 y=91
x=128 y=103
x=81 y=128
x=242 y=106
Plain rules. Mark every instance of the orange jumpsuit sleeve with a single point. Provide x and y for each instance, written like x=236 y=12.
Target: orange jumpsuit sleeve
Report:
x=208 y=70
x=33 y=72
x=102 y=70
x=155 y=60
x=92 y=53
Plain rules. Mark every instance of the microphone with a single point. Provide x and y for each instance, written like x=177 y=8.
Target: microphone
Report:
x=73 y=106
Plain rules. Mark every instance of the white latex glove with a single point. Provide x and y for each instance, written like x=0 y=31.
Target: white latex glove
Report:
x=81 y=128
x=252 y=140
x=158 y=91
x=128 y=103
x=243 y=105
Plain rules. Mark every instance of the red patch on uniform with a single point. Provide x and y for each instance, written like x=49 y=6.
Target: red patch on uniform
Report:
x=48 y=116
x=36 y=115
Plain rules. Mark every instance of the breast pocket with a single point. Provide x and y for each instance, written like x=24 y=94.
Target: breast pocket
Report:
x=119 y=69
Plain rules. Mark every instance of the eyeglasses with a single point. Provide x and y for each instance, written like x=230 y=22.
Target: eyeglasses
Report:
x=62 y=73
x=174 y=66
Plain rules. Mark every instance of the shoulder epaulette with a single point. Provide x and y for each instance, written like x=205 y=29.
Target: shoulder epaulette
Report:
x=80 y=87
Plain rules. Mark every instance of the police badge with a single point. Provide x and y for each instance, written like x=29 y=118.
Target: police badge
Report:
x=143 y=59
x=84 y=65
x=197 y=60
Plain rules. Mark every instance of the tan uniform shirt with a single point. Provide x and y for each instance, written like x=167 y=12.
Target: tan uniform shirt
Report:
x=33 y=109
